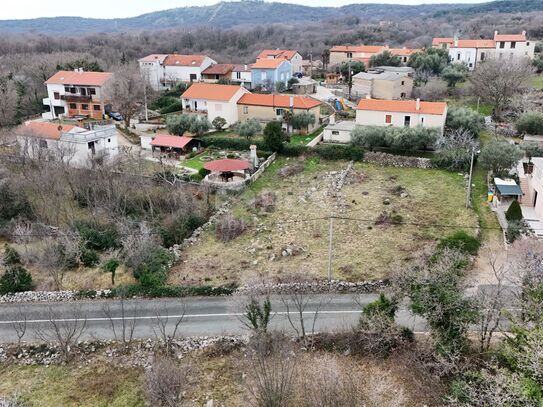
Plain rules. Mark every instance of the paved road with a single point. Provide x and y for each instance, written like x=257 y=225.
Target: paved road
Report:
x=202 y=316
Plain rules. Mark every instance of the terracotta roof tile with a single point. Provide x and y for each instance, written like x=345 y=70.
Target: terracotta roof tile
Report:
x=510 y=37
x=227 y=164
x=404 y=106
x=154 y=57
x=282 y=101
x=404 y=51
x=211 y=91
x=79 y=78
x=218 y=69
x=167 y=140
x=442 y=40
x=46 y=130
x=184 y=60
x=267 y=63
x=370 y=49
x=277 y=53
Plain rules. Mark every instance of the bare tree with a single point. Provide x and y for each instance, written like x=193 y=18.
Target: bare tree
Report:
x=19 y=325
x=8 y=101
x=273 y=367
x=125 y=91
x=64 y=330
x=10 y=401
x=497 y=81
x=127 y=318
x=166 y=326
x=165 y=381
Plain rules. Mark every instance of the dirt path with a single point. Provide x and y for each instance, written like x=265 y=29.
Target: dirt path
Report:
x=493 y=248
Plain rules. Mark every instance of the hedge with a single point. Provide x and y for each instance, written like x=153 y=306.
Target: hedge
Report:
x=339 y=152
x=174 y=107
x=139 y=290
x=231 y=143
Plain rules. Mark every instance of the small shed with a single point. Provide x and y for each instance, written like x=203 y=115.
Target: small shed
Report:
x=173 y=144
x=304 y=86
x=506 y=191
x=339 y=132
x=227 y=169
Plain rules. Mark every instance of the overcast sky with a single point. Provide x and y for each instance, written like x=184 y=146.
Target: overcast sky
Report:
x=17 y=9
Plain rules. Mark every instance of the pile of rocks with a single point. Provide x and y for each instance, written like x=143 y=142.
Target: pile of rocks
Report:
x=392 y=160
x=316 y=287
x=340 y=179
x=51 y=296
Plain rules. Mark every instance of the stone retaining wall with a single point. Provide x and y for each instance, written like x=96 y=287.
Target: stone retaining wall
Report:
x=392 y=160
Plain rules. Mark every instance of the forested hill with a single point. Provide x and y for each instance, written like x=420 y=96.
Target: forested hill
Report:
x=232 y=14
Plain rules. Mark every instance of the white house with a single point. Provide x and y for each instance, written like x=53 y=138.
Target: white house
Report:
x=293 y=56
x=164 y=71
x=339 y=132
x=401 y=113
x=509 y=46
x=73 y=145
x=214 y=99
x=241 y=75
x=75 y=93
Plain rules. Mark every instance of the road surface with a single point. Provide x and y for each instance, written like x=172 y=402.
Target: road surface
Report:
x=202 y=316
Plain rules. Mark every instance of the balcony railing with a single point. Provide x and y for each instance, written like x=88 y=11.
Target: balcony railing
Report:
x=76 y=98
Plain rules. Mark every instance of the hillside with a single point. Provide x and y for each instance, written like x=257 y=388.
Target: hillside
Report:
x=231 y=14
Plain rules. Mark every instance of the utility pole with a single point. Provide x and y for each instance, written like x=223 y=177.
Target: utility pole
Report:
x=311 y=65
x=468 y=196
x=145 y=80
x=350 y=79
x=331 y=234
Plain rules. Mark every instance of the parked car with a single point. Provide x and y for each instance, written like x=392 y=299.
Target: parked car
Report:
x=116 y=116
x=298 y=75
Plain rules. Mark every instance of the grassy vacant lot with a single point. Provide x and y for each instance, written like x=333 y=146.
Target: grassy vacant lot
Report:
x=362 y=249
x=536 y=81
x=391 y=382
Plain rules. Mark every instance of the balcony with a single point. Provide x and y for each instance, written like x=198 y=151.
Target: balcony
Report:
x=71 y=98
x=53 y=102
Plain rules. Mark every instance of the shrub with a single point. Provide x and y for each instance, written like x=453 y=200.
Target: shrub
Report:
x=174 y=107
x=530 y=123
x=11 y=256
x=303 y=120
x=110 y=266
x=175 y=230
x=228 y=228
x=499 y=157
x=290 y=170
x=461 y=241
x=98 y=236
x=294 y=150
x=173 y=291
x=454 y=74
x=249 y=128
x=162 y=102
x=464 y=118
x=230 y=143
x=154 y=265
x=339 y=152
x=13 y=204
x=273 y=136
x=15 y=279
x=202 y=172
x=89 y=257
x=265 y=201
x=432 y=91
x=218 y=122
x=371 y=137
x=514 y=212
x=179 y=124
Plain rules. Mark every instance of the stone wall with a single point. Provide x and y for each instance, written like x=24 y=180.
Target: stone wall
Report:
x=392 y=160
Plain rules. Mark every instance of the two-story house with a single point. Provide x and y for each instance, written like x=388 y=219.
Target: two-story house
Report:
x=509 y=46
x=75 y=93
x=164 y=71
x=267 y=73
x=381 y=84
x=217 y=72
x=346 y=53
x=241 y=75
x=401 y=113
x=293 y=56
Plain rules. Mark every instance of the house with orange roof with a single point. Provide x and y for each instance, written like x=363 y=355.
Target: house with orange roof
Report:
x=217 y=72
x=270 y=107
x=472 y=52
x=293 y=56
x=241 y=75
x=163 y=71
x=73 y=145
x=363 y=53
x=214 y=100
x=75 y=94
x=269 y=73
x=401 y=113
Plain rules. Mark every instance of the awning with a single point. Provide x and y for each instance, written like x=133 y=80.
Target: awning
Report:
x=507 y=187
x=166 y=140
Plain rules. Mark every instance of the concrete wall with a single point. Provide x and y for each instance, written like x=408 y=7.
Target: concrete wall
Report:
x=467 y=56
x=377 y=118
x=267 y=113
x=336 y=136
x=383 y=89
x=523 y=49
x=537 y=187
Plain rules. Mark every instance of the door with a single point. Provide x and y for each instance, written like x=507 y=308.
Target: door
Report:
x=193 y=77
x=407 y=121
x=535 y=198
x=195 y=105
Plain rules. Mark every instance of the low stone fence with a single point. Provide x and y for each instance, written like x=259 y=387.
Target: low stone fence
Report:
x=263 y=166
x=316 y=140
x=392 y=160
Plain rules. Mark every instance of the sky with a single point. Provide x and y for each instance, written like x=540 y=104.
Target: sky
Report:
x=20 y=9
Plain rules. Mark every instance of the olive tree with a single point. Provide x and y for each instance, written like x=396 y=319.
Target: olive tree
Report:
x=499 y=157
x=249 y=128
x=464 y=118
x=302 y=120
x=530 y=123
x=453 y=74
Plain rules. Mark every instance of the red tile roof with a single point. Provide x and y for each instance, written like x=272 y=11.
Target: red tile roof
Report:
x=403 y=106
x=167 y=140
x=370 y=49
x=241 y=68
x=211 y=91
x=268 y=63
x=446 y=40
x=282 y=101
x=154 y=57
x=184 y=60
x=47 y=130
x=218 y=69
x=79 y=78
x=465 y=43
x=404 y=51
x=227 y=164
x=277 y=53
x=510 y=37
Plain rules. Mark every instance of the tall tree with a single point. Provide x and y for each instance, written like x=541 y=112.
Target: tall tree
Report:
x=125 y=91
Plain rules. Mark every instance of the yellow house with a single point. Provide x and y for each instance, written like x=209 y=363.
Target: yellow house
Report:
x=266 y=108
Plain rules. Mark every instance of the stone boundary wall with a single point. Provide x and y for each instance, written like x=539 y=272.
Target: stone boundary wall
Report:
x=392 y=160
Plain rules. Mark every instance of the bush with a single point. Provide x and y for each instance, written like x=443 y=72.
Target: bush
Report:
x=461 y=241
x=230 y=143
x=158 y=291
x=249 y=128
x=400 y=139
x=294 y=150
x=162 y=102
x=11 y=257
x=89 y=257
x=15 y=279
x=499 y=157
x=530 y=123
x=452 y=159
x=110 y=266
x=177 y=106
x=154 y=266
x=218 y=122
x=98 y=236
x=175 y=230
x=432 y=91
x=202 y=172
x=13 y=204
x=464 y=118
x=339 y=152
x=228 y=228
x=514 y=212
x=303 y=120
x=273 y=136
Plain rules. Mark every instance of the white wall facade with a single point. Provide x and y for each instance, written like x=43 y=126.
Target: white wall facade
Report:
x=521 y=49
x=228 y=110
x=398 y=119
x=152 y=71
x=466 y=56
x=297 y=63
x=243 y=78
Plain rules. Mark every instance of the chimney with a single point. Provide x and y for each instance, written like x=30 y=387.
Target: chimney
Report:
x=495 y=34
x=332 y=119
x=456 y=41
x=253 y=157
x=291 y=102
x=245 y=67
x=418 y=104
x=524 y=33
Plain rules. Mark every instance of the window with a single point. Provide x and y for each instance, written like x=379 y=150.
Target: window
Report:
x=238 y=75
x=482 y=56
x=83 y=91
x=528 y=44
x=279 y=112
x=84 y=107
x=335 y=132
x=73 y=106
x=43 y=144
x=96 y=108
x=471 y=65
x=91 y=147
x=193 y=77
x=403 y=83
x=72 y=90
x=502 y=44
x=422 y=121
x=458 y=56
x=245 y=109
x=407 y=121
x=513 y=44
x=388 y=119
x=67 y=89
x=56 y=95
x=109 y=140
x=263 y=75
x=217 y=77
x=349 y=54
x=403 y=95
x=92 y=91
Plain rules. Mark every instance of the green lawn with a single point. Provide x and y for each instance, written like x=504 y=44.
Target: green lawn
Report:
x=305 y=138
x=197 y=162
x=536 y=81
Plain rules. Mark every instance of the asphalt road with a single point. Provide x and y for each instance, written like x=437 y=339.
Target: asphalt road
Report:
x=201 y=316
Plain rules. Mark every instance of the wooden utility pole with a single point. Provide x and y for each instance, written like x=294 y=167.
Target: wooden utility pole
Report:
x=330 y=246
